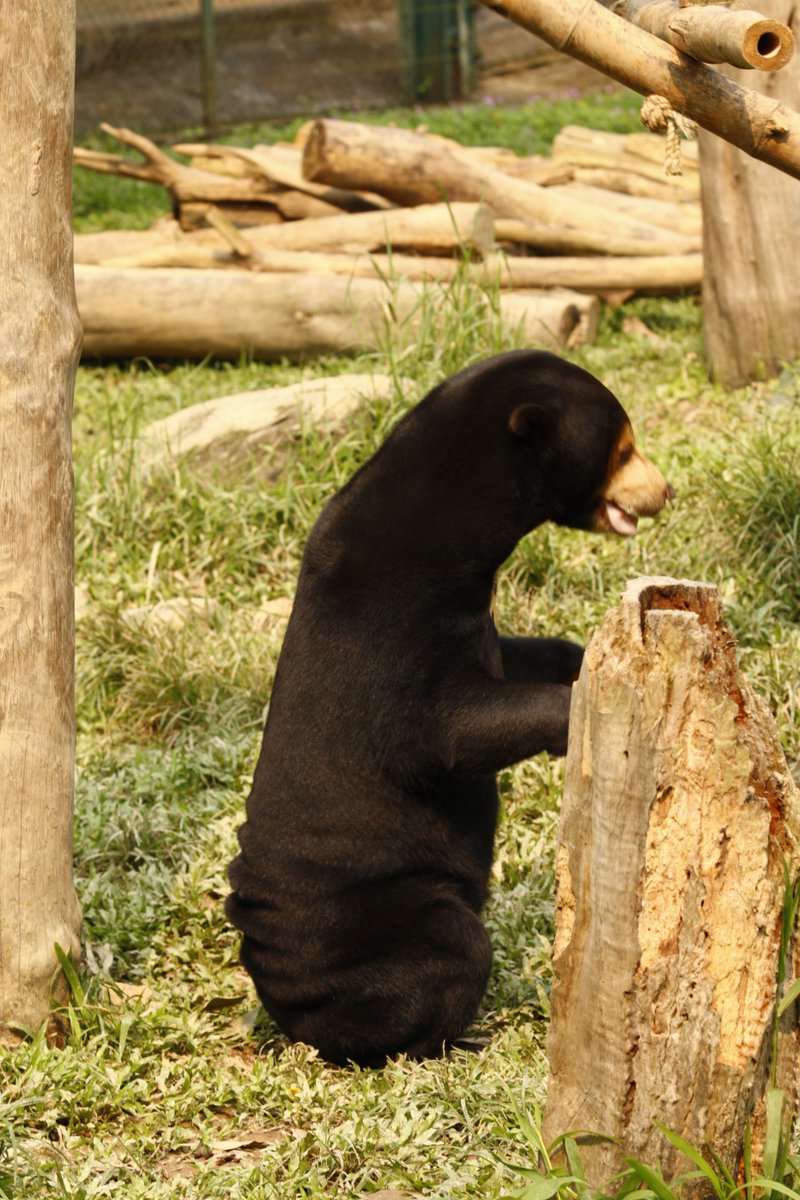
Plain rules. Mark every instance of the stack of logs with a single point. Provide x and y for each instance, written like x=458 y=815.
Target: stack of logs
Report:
x=315 y=237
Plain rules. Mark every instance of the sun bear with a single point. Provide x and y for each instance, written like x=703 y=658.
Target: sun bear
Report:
x=366 y=852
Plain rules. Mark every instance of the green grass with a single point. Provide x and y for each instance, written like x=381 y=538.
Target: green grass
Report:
x=168 y=1066
x=150 y=1082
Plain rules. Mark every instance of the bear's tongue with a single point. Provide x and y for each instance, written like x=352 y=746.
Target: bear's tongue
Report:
x=619 y=520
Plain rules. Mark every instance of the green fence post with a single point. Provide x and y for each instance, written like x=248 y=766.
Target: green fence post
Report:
x=208 y=59
x=438 y=42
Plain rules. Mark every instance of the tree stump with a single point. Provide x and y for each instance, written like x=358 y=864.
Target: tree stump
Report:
x=679 y=811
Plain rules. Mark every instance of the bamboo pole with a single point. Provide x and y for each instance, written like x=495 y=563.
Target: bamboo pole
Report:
x=584 y=29
x=713 y=34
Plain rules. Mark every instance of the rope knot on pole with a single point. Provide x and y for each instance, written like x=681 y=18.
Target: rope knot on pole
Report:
x=660 y=117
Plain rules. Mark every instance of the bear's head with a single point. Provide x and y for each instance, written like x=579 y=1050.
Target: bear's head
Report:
x=571 y=447
x=492 y=452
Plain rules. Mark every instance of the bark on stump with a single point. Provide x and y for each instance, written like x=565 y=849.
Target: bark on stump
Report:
x=678 y=811
x=38 y=357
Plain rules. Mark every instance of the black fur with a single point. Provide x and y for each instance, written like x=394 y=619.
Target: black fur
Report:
x=366 y=853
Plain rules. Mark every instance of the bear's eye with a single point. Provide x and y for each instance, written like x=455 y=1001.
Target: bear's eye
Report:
x=625 y=456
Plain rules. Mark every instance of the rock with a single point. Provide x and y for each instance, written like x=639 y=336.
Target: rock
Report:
x=171 y=614
x=269 y=414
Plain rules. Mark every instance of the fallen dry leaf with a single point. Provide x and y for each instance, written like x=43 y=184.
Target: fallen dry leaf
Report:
x=253 y=1139
x=220 y=1003
x=635 y=327
x=388 y=1194
x=243 y=1150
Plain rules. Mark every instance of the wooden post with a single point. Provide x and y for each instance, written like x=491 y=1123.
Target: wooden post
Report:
x=38 y=357
x=751 y=301
x=678 y=813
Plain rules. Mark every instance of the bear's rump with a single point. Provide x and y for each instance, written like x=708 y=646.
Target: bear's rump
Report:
x=409 y=985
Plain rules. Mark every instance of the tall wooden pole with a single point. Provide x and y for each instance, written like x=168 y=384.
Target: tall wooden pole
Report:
x=751 y=297
x=39 y=350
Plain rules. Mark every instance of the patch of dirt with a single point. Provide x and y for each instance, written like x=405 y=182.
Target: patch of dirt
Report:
x=108 y=11
x=277 y=58
x=556 y=77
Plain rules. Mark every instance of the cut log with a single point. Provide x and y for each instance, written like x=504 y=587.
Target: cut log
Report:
x=280 y=205
x=657 y=274
x=632 y=185
x=140 y=250
x=246 y=197
x=660 y=275
x=678 y=812
x=581 y=144
x=559 y=239
x=412 y=168
x=714 y=34
x=429 y=229
x=184 y=183
x=617 y=153
x=684 y=218
x=223 y=314
x=557 y=317
x=108 y=243
x=95 y=248
x=421 y=267
x=282 y=165
x=589 y=32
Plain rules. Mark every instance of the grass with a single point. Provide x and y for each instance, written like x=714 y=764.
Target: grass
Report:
x=170 y=1082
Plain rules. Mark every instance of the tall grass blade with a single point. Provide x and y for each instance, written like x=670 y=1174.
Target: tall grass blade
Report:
x=771 y=1186
x=654 y=1180
x=773 y=1135
x=694 y=1155
x=789 y=998
x=71 y=975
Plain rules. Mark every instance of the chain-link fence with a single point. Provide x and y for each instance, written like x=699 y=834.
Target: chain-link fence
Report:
x=164 y=65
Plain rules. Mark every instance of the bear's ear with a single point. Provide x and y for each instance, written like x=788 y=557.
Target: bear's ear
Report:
x=528 y=420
